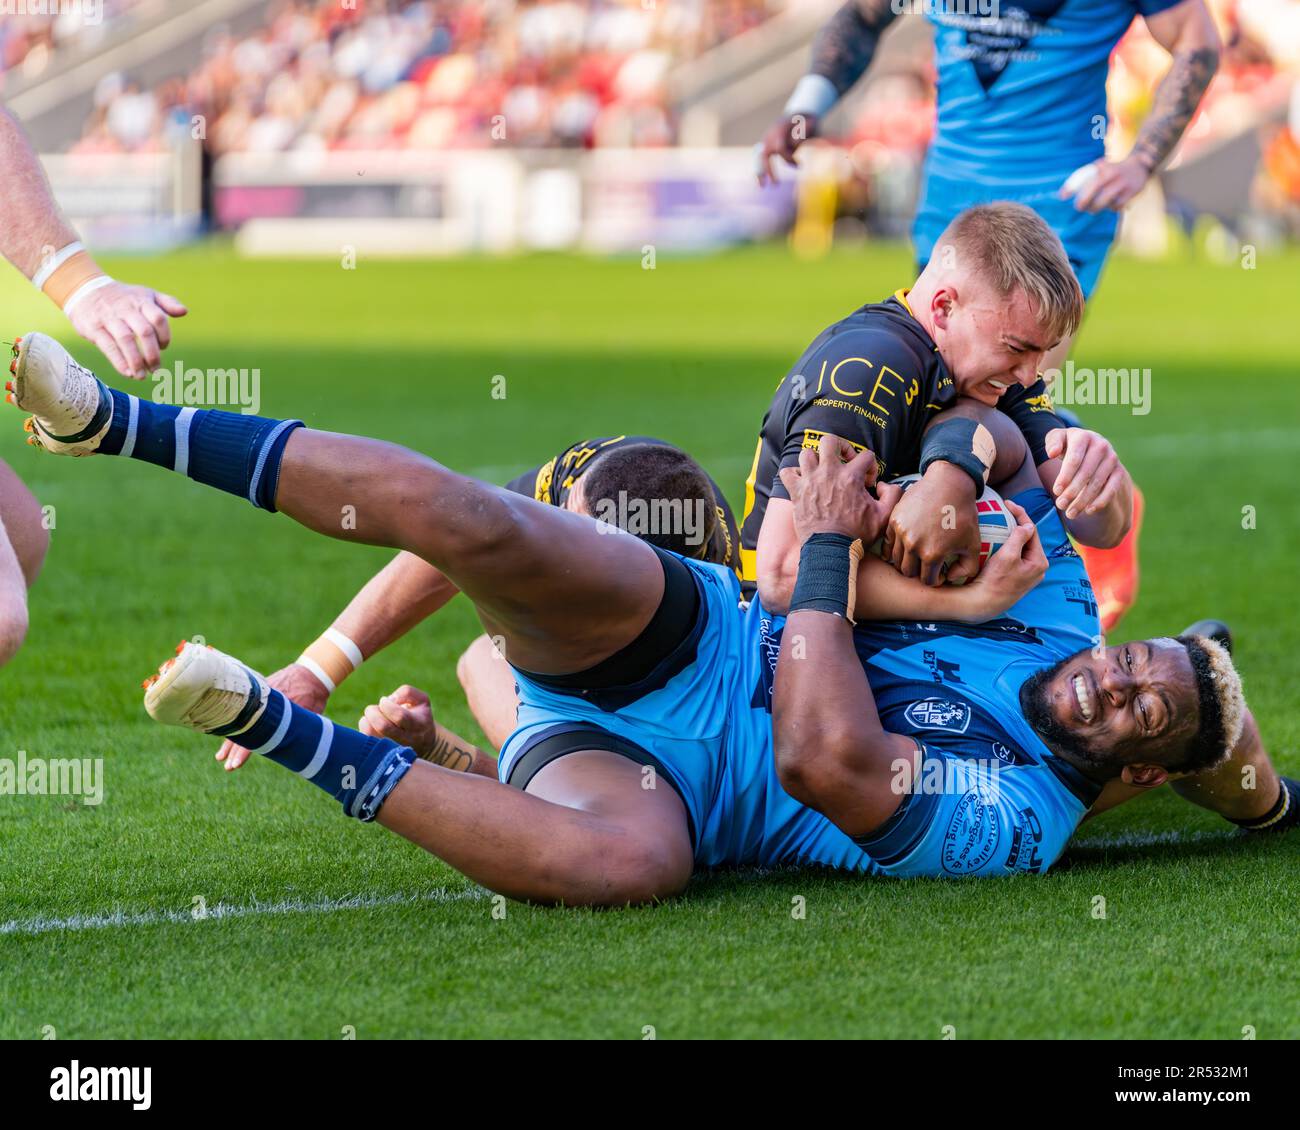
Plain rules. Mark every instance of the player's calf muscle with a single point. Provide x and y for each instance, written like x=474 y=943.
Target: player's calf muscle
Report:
x=529 y=848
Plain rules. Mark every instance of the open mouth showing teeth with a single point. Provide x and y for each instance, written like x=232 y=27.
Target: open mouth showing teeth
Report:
x=1083 y=696
x=998 y=385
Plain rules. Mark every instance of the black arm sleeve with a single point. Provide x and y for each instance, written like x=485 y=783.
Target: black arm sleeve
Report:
x=844 y=47
x=1032 y=410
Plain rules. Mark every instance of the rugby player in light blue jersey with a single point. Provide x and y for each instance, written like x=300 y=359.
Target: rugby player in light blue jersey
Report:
x=646 y=748
x=1021 y=107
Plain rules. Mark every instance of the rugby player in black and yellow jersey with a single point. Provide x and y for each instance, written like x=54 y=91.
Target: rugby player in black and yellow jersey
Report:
x=639 y=484
x=564 y=482
x=996 y=296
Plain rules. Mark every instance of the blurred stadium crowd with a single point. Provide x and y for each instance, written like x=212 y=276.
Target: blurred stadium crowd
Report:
x=390 y=74
x=586 y=74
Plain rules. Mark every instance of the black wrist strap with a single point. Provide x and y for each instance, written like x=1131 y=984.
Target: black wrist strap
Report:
x=954 y=441
x=828 y=575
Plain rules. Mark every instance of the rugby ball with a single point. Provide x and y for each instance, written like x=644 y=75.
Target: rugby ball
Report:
x=996 y=521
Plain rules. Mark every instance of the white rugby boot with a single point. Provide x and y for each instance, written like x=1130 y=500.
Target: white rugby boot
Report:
x=71 y=409
x=206 y=690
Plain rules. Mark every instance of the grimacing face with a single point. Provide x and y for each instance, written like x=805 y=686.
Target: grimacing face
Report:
x=1133 y=704
x=988 y=342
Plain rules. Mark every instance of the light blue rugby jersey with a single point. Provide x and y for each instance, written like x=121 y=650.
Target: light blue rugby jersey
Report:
x=953 y=687
x=1022 y=93
x=992 y=799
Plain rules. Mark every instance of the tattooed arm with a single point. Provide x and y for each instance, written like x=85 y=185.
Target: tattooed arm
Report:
x=844 y=48
x=1188 y=33
x=842 y=52
x=406 y=717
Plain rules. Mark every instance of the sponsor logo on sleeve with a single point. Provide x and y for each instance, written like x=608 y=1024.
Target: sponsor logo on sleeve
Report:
x=1025 y=841
x=940 y=669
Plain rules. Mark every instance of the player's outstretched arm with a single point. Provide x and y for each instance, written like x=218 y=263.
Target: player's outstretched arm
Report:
x=128 y=323
x=1245 y=788
x=831 y=751
x=406 y=592
x=842 y=52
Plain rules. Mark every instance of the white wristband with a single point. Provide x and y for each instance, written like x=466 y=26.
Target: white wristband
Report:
x=346 y=646
x=332 y=658
x=813 y=96
x=85 y=289
x=319 y=671
x=54 y=262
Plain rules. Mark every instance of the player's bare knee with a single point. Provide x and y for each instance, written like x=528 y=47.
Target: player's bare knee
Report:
x=641 y=869
x=32 y=553
x=13 y=630
x=471 y=661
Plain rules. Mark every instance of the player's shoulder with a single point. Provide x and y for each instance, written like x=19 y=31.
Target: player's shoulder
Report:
x=881 y=347
x=886 y=325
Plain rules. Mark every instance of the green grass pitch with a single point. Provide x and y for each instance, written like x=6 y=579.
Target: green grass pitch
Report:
x=319 y=924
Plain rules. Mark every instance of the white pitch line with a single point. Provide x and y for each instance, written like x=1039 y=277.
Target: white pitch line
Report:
x=120 y=918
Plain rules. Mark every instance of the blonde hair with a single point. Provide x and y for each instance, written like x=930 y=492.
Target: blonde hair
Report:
x=1012 y=248
x=1222 y=702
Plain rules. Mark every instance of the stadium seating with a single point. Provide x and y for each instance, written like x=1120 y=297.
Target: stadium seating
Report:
x=428 y=74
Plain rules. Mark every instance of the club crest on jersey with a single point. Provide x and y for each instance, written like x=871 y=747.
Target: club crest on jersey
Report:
x=939 y=714
x=973 y=835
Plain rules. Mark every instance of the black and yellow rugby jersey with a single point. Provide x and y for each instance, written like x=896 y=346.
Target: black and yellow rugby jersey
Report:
x=875 y=379
x=553 y=480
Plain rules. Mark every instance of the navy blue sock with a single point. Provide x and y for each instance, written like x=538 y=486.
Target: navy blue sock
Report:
x=355 y=770
x=237 y=454
x=1285 y=814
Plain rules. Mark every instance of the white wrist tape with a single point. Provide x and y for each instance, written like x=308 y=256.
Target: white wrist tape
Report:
x=814 y=96
x=83 y=290
x=53 y=263
x=346 y=646
x=332 y=658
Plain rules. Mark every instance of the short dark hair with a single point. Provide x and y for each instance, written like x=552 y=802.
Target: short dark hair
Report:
x=663 y=484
